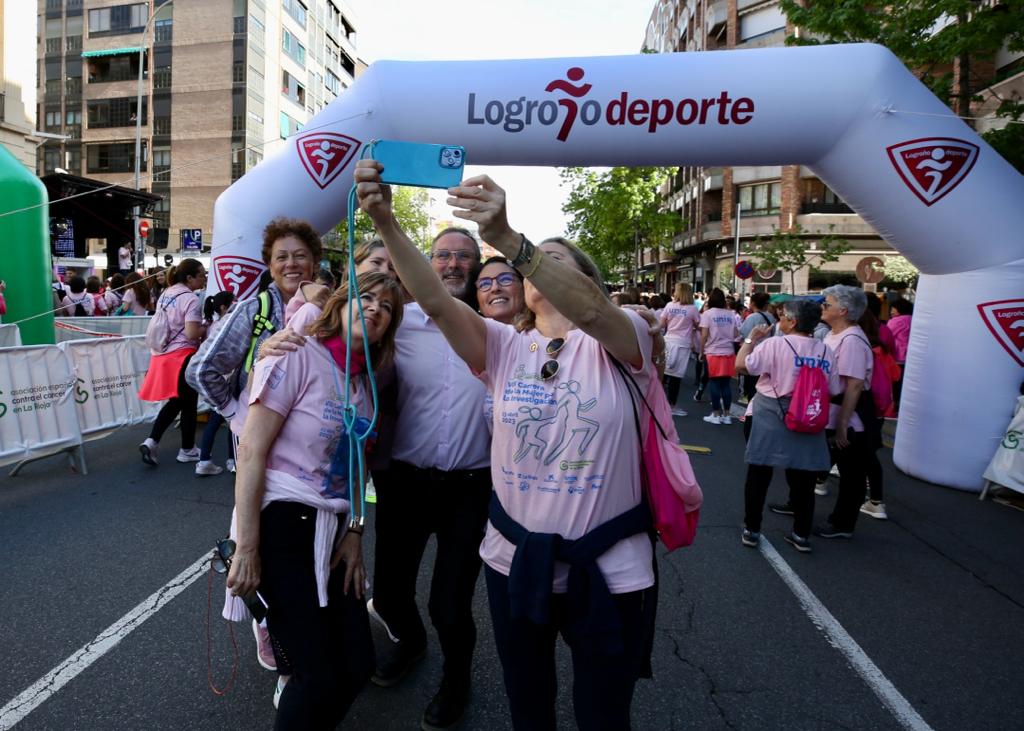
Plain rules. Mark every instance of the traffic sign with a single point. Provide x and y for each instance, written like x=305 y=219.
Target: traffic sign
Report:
x=143 y=228
x=191 y=239
x=744 y=269
x=870 y=270
x=767 y=273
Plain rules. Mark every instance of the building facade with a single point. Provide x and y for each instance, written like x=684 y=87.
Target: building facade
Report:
x=18 y=85
x=224 y=82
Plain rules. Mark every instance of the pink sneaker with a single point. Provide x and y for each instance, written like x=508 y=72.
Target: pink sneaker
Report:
x=264 y=650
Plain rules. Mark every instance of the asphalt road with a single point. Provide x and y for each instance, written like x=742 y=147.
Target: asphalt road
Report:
x=933 y=597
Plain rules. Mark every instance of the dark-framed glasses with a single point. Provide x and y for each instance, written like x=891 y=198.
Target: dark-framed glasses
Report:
x=505 y=279
x=550 y=368
x=444 y=256
x=222 y=555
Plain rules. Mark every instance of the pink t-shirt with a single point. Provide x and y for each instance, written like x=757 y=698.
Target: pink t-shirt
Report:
x=565 y=456
x=303 y=386
x=854 y=359
x=680 y=321
x=899 y=326
x=184 y=308
x=774 y=360
x=722 y=330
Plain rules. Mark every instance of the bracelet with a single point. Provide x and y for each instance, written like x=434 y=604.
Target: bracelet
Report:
x=525 y=254
x=537 y=259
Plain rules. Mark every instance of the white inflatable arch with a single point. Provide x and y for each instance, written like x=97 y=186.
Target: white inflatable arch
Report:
x=853 y=114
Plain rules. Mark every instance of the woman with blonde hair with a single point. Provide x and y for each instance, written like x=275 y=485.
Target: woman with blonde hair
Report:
x=292 y=487
x=680 y=320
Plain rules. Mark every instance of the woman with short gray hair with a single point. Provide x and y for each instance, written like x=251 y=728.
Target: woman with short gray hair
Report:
x=778 y=361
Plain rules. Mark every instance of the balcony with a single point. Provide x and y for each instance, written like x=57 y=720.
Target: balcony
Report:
x=73 y=43
x=74 y=131
x=54 y=46
x=824 y=208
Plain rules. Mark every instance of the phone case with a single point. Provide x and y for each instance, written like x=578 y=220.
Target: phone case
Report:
x=420 y=165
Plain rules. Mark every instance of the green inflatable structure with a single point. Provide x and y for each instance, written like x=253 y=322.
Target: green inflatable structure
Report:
x=25 y=250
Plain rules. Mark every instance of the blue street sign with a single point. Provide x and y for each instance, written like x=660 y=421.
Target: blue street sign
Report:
x=191 y=239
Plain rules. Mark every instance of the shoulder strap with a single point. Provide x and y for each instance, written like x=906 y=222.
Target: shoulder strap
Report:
x=630 y=381
x=767 y=322
x=261 y=323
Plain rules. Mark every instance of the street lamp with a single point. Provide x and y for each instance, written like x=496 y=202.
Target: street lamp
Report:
x=140 y=248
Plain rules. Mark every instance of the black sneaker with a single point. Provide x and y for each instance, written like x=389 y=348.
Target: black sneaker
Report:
x=750 y=538
x=446 y=707
x=829 y=531
x=397 y=664
x=801 y=544
x=781 y=508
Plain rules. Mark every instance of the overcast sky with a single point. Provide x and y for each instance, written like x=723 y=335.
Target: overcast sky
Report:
x=426 y=30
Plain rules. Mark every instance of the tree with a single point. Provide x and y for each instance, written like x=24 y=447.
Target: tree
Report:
x=930 y=37
x=788 y=251
x=898 y=270
x=411 y=209
x=617 y=212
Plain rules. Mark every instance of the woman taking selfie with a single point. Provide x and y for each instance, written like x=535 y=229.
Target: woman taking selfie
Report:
x=292 y=492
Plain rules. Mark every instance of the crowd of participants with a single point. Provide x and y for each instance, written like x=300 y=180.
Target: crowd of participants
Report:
x=501 y=433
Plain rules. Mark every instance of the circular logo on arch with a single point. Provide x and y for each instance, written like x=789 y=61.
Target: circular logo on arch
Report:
x=933 y=166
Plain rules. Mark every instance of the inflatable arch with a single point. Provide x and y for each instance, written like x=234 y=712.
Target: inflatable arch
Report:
x=853 y=114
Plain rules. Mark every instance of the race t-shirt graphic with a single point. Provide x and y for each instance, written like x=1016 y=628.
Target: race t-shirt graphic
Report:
x=1005 y=319
x=932 y=166
x=325 y=154
x=238 y=274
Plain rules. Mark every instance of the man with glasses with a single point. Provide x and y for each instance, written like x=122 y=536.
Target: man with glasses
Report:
x=438 y=483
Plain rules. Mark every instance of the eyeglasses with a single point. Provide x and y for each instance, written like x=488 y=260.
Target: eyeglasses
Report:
x=825 y=305
x=505 y=279
x=550 y=368
x=444 y=256
x=222 y=555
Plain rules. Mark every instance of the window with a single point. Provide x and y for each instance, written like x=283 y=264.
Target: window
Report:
x=163 y=30
x=292 y=89
x=761 y=199
x=161 y=164
x=257 y=32
x=74 y=116
x=162 y=212
x=52 y=121
x=333 y=83
x=295 y=9
x=237 y=161
x=51 y=159
x=118 y=19
x=73 y=86
x=117 y=157
x=53 y=88
x=291 y=46
x=123 y=67
x=104 y=113
x=73 y=158
x=288 y=126
x=162 y=78
x=238 y=72
x=161 y=125
x=73 y=43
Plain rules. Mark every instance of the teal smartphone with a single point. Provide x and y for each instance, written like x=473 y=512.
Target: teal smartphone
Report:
x=418 y=164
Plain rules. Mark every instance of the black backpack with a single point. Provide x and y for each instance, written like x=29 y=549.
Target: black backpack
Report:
x=80 y=309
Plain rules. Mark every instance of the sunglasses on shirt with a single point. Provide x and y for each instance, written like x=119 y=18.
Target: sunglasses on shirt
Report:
x=550 y=368
x=505 y=279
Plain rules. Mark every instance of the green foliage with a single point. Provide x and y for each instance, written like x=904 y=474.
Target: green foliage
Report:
x=900 y=271
x=788 y=251
x=1009 y=141
x=411 y=209
x=615 y=212
x=928 y=36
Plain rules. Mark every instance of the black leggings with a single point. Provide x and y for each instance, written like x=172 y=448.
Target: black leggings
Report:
x=672 y=384
x=801 y=497
x=186 y=402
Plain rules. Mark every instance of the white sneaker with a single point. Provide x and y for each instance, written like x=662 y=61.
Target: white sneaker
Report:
x=282 y=681
x=230 y=465
x=188 y=455
x=875 y=510
x=148 y=450
x=712 y=419
x=678 y=412
x=821 y=489
x=726 y=419
x=207 y=467
x=379 y=619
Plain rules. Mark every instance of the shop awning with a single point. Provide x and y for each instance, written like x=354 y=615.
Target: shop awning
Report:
x=111 y=52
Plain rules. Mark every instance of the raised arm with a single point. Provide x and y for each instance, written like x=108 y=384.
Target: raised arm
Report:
x=571 y=292
x=463 y=328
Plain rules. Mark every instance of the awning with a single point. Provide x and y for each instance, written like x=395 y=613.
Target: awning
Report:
x=111 y=52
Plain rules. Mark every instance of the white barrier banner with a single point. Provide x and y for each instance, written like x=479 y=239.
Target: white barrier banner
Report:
x=83 y=328
x=108 y=373
x=37 y=408
x=10 y=336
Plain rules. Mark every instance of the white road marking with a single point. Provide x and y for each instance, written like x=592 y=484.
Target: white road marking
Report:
x=66 y=671
x=840 y=639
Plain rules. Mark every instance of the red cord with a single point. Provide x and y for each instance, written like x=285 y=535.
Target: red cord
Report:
x=209 y=644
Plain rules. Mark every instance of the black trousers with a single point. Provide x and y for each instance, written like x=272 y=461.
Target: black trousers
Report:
x=412 y=504
x=851 y=462
x=186 y=402
x=329 y=649
x=801 y=497
x=602 y=685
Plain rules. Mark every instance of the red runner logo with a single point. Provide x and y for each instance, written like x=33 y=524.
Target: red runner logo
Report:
x=932 y=166
x=325 y=154
x=1006 y=321
x=238 y=274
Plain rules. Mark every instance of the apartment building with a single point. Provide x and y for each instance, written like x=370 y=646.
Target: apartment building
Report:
x=18 y=80
x=769 y=197
x=224 y=82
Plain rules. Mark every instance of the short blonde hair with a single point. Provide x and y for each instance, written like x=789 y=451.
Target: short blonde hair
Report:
x=683 y=293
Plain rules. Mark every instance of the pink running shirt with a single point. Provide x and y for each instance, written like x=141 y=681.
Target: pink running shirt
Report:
x=722 y=331
x=680 y=321
x=778 y=367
